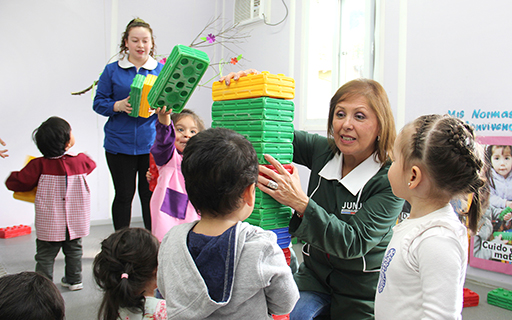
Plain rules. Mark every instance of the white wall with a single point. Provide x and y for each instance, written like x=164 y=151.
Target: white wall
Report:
x=54 y=47
x=454 y=54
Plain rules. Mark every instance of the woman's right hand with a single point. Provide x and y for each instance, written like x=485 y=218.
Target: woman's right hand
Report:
x=287 y=189
x=123 y=106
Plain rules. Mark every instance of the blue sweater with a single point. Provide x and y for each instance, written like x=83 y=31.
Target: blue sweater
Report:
x=124 y=134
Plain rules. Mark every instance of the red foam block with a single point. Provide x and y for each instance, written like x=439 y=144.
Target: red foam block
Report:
x=471 y=298
x=288 y=167
x=14 y=231
x=281 y=317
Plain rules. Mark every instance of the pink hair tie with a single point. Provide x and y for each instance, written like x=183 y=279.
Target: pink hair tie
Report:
x=124 y=276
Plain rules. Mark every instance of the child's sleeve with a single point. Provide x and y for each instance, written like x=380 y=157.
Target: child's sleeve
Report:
x=281 y=291
x=163 y=148
x=88 y=163
x=26 y=179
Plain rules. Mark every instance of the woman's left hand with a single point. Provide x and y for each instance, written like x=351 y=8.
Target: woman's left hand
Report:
x=236 y=75
x=287 y=189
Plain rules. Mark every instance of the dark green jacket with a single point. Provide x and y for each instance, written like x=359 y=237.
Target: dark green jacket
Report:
x=344 y=251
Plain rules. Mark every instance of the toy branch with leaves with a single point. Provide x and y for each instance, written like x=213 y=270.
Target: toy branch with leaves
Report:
x=229 y=36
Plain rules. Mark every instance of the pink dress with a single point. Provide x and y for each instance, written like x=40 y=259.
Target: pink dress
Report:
x=169 y=204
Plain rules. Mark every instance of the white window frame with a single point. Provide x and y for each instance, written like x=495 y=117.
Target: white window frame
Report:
x=320 y=123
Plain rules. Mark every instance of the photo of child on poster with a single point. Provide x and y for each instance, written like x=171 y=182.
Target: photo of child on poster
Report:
x=493 y=242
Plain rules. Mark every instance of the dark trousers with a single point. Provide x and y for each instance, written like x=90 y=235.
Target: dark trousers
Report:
x=124 y=170
x=46 y=251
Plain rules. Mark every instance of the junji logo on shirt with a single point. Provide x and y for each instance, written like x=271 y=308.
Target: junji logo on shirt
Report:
x=350 y=207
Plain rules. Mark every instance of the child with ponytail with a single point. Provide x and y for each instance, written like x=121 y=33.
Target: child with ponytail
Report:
x=125 y=270
x=422 y=275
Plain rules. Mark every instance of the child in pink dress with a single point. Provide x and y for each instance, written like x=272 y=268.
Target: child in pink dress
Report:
x=169 y=204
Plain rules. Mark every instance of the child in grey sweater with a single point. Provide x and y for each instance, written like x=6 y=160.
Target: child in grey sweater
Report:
x=220 y=267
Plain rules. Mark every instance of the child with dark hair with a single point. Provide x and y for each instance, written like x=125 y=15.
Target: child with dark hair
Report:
x=125 y=270
x=30 y=295
x=436 y=158
x=169 y=202
x=62 y=202
x=220 y=267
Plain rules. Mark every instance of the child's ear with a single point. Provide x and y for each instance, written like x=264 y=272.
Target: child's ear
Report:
x=249 y=195
x=415 y=177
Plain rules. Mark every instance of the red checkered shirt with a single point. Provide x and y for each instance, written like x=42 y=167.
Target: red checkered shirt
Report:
x=63 y=199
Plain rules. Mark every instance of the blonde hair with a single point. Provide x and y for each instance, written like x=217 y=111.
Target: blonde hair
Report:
x=378 y=101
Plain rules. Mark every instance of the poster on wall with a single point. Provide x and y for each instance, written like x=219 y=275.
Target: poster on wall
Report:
x=491 y=247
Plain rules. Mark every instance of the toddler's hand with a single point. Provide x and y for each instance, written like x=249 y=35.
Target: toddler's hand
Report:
x=149 y=176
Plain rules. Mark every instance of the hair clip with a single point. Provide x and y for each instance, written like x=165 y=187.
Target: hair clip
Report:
x=124 y=276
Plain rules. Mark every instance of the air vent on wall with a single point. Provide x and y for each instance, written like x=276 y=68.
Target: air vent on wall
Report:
x=249 y=11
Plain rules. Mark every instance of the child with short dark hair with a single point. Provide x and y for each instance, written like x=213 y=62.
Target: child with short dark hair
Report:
x=30 y=295
x=220 y=267
x=125 y=270
x=62 y=202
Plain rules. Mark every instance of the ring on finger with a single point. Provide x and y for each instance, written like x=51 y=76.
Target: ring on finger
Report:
x=272 y=185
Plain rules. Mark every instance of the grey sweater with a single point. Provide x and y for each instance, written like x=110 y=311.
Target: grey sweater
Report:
x=262 y=283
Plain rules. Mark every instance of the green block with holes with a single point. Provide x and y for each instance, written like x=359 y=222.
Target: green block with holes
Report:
x=263 y=108
x=179 y=77
x=136 y=94
x=260 y=130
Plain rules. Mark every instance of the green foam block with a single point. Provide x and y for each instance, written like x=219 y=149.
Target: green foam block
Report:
x=136 y=94
x=179 y=77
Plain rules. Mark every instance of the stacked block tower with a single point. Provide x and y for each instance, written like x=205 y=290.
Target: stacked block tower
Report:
x=259 y=107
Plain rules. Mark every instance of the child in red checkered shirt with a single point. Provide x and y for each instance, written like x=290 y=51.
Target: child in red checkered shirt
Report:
x=62 y=201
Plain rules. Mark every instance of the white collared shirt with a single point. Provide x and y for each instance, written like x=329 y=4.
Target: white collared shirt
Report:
x=355 y=180
x=150 y=64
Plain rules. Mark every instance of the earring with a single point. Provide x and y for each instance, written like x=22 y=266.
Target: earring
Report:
x=409 y=184
x=378 y=138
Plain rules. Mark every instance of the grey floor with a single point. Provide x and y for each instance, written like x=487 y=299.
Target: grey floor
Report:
x=17 y=254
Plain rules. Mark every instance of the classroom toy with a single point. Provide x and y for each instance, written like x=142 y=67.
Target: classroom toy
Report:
x=264 y=84
x=264 y=201
x=28 y=196
x=260 y=130
x=287 y=167
x=283 y=237
x=15 y=231
x=504 y=212
x=263 y=108
x=281 y=317
x=471 y=298
x=146 y=87
x=504 y=235
x=153 y=169
x=501 y=298
x=179 y=77
x=287 y=255
x=136 y=94
x=268 y=219
x=282 y=152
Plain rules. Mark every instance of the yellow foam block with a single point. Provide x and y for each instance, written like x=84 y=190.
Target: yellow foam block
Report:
x=264 y=84
x=29 y=196
x=144 y=104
